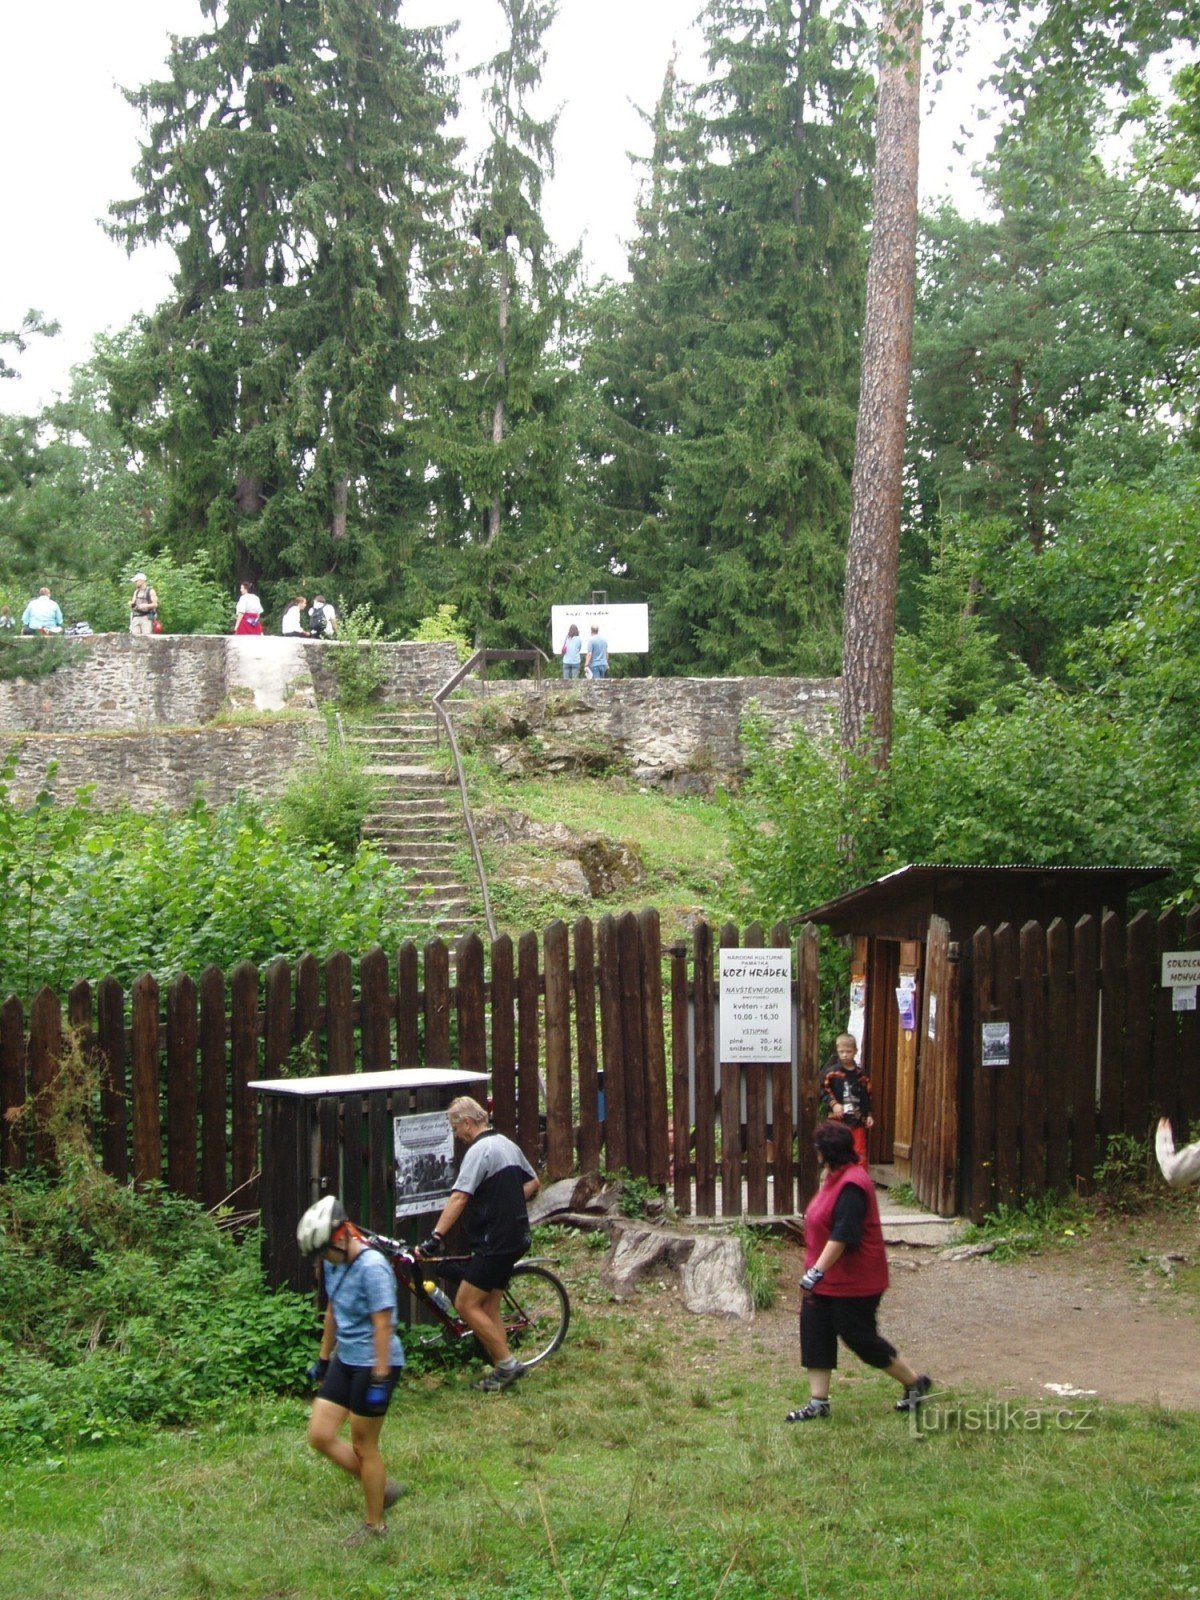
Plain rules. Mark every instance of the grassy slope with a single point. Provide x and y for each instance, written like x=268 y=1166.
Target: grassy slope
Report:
x=682 y=842
x=648 y=1459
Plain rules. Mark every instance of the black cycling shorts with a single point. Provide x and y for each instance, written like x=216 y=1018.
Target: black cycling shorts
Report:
x=347 y=1387
x=489 y=1272
x=826 y=1318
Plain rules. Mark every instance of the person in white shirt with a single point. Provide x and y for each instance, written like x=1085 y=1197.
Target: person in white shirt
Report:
x=249 y=612
x=292 y=626
x=322 y=618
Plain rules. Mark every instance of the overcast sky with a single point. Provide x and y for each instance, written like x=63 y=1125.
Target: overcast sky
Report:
x=70 y=142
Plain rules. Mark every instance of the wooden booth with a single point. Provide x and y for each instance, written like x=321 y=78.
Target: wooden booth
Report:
x=914 y=1021
x=336 y=1135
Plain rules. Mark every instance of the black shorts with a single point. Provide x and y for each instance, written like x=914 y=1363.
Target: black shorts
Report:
x=489 y=1272
x=347 y=1387
x=826 y=1318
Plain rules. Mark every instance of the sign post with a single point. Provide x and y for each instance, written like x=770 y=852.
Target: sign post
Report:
x=1181 y=974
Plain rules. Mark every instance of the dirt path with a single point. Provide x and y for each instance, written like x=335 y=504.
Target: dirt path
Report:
x=1099 y=1315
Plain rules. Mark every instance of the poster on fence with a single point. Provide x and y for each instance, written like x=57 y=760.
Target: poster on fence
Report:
x=997 y=1044
x=756 y=1005
x=424 y=1162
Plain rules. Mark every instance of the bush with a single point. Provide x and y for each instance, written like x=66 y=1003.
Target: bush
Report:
x=326 y=801
x=357 y=663
x=189 y=596
x=445 y=624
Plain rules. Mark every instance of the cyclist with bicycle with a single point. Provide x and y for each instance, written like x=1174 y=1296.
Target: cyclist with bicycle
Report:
x=491 y=1192
x=361 y=1358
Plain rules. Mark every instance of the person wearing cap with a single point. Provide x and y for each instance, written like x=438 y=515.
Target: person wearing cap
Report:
x=360 y=1360
x=143 y=605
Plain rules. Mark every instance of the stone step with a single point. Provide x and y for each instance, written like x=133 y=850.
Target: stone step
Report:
x=411 y=777
x=430 y=834
x=435 y=878
x=400 y=845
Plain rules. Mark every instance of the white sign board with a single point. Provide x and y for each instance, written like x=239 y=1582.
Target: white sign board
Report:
x=756 y=1005
x=1180 y=968
x=424 y=1162
x=626 y=628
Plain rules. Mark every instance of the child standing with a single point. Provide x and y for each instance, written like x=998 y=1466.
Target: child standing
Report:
x=848 y=1091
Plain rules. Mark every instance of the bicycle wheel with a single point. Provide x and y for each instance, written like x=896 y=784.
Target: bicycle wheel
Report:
x=536 y=1313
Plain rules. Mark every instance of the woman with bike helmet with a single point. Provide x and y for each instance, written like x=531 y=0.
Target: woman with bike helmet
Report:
x=361 y=1358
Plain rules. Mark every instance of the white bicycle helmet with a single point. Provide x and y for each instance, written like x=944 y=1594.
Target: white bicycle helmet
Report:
x=319 y=1223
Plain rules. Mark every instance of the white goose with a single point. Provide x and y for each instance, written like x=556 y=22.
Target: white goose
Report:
x=1179 y=1167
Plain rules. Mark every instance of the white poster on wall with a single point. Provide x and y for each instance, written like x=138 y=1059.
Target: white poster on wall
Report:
x=424 y=1162
x=756 y=1005
x=626 y=628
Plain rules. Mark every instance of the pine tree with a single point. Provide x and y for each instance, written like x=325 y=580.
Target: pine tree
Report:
x=731 y=363
x=501 y=439
x=297 y=164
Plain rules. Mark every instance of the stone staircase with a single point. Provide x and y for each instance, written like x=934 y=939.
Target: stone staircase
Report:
x=416 y=821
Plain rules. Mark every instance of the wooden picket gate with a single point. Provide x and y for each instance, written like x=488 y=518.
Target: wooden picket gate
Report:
x=599 y=1044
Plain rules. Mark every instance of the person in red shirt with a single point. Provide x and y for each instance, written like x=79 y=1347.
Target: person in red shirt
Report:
x=844 y=1278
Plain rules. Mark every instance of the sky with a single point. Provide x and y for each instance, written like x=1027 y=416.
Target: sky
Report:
x=71 y=141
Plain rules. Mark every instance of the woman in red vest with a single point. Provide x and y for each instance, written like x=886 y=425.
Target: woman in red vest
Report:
x=845 y=1276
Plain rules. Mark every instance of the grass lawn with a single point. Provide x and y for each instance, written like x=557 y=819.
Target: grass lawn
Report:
x=649 y=1458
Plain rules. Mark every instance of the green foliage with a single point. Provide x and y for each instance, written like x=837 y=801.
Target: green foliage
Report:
x=190 y=600
x=637 y=1196
x=444 y=624
x=84 y=894
x=762 y=1266
x=326 y=800
x=1030 y=1228
x=1127 y=1179
x=358 y=665
x=34 y=657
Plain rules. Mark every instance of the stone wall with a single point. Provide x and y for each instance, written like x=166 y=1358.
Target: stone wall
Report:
x=167 y=769
x=674 y=733
x=114 y=681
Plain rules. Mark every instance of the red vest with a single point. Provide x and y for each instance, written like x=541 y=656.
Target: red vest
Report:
x=861 y=1270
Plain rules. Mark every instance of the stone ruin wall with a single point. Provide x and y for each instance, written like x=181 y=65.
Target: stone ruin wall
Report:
x=134 y=717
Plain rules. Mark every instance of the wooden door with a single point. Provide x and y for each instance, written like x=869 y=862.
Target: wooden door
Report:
x=935 y=1136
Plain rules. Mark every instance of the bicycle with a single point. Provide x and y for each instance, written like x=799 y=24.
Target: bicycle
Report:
x=535 y=1307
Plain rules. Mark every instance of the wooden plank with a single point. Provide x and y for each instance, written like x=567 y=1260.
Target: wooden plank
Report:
x=705 y=1069
x=380 y=1154
x=504 y=1037
x=114 y=1095
x=1189 y=1043
x=925 y=1133
x=560 y=1139
x=408 y=1005
x=470 y=1004
x=1033 y=1080
x=12 y=1085
x=905 y=1098
x=1085 y=953
x=277 y=1024
x=375 y=1011
x=243 y=1069
x=183 y=1120
x=45 y=1055
x=1112 y=1025
x=782 y=1120
x=629 y=952
x=339 y=1017
x=1166 y=1095
x=308 y=1014
x=753 y=1083
x=979 y=1197
x=528 y=1047
x=681 y=1120
x=584 y=979
x=214 y=1078
x=950 y=1052
x=1060 y=1077
x=658 y=1127
x=144 y=1084
x=612 y=1045
x=437 y=1006
x=808 y=1021
x=82 y=1036
x=1141 y=994
x=1008 y=1079
x=731 y=1112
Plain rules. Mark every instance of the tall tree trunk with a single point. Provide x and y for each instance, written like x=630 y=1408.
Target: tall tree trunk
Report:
x=341 y=499
x=873 y=555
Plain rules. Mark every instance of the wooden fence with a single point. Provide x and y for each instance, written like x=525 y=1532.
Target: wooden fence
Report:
x=600 y=1046
x=1095 y=1049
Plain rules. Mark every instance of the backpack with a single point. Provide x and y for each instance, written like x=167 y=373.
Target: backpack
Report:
x=316 y=619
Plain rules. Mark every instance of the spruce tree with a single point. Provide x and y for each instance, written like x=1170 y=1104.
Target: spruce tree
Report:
x=296 y=162
x=734 y=352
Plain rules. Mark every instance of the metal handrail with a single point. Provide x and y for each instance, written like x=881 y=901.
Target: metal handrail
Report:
x=480 y=658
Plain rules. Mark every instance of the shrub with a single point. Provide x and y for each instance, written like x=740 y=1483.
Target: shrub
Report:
x=445 y=624
x=326 y=800
x=357 y=664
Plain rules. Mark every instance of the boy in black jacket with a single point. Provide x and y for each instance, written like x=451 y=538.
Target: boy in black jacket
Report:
x=848 y=1090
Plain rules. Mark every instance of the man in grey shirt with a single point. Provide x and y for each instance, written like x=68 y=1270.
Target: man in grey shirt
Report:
x=493 y=1186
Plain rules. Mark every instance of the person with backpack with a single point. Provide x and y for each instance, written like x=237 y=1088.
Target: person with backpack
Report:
x=143 y=606
x=360 y=1359
x=322 y=618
